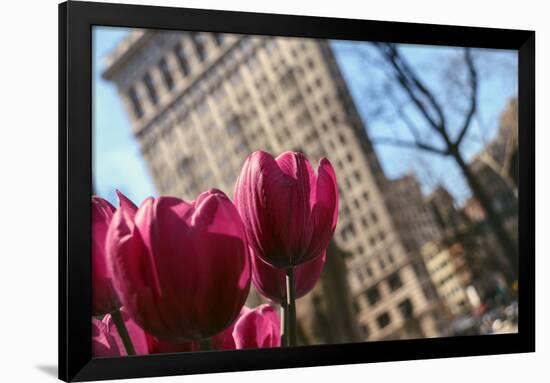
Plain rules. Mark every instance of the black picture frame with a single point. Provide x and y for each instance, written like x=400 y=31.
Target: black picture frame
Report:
x=75 y=188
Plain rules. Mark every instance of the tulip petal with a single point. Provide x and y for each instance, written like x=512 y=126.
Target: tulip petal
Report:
x=104 y=299
x=189 y=264
x=325 y=208
x=258 y=328
x=271 y=282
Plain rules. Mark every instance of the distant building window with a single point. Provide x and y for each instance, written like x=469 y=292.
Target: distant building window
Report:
x=374 y=217
x=356 y=307
x=182 y=59
x=406 y=309
x=219 y=37
x=394 y=281
x=150 y=86
x=383 y=320
x=198 y=43
x=365 y=330
x=136 y=105
x=166 y=75
x=369 y=271
x=342 y=139
x=373 y=295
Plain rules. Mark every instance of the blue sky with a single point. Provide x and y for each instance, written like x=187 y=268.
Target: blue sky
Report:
x=117 y=161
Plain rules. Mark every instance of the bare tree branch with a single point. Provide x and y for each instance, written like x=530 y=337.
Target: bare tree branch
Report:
x=407 y=69
x=472 y=73
x=406 y=77
x=408 y=144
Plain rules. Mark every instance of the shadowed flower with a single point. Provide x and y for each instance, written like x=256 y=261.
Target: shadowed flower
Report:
x=107 y=342
x=104 y=299
x=255 y=328
x=181 y=269
x=271 y=282
x=289 y=212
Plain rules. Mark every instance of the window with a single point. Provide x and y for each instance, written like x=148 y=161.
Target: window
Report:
x=348 y=230
x=356 y=307
x=383 y=320
x=406 y=309
x=166 y=76
x=151 y=92
x=369 y=271
x=182 y=59
x=365 y=330
x=198 y=43
x=219 y=37
x=185 y=166
x=364 y=222
x=373 y=295
x=394 y=281
x=374 y=217
x=342 y=139
x=132 y=94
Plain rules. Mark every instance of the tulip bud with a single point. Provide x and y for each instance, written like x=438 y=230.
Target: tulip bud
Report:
x=257 y=328
x=107 y=342
x=271 y=282
x=181 y=269
x=104 y=299
x=289 y=212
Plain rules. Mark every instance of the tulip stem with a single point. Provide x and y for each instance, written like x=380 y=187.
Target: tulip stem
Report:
x=123 y=332
x=205 y=344
x=284 y=324
x=291 y=307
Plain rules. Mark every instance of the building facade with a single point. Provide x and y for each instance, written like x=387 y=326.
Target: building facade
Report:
x=201 y=102
x=451 y=277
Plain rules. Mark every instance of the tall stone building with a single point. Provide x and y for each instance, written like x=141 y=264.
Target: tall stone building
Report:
x=200 y=103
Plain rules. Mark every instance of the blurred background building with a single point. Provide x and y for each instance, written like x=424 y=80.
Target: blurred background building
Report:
x=201 y=102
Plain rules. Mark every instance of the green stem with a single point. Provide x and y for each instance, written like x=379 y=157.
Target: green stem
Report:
x=123 y=332
x=205 y=344
x=291 y=306
x=284 y=325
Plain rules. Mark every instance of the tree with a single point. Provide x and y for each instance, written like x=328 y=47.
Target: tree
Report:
x=434 y=118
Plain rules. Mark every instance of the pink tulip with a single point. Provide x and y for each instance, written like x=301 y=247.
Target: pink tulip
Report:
x=289 y=212
x=103 y=295
x=107 y=342
x=271 y=282
x=180 y=268
x=257 y=328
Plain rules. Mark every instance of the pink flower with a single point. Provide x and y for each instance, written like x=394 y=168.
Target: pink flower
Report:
x=104 y=299
x=107 y=342
x=271 y=282
x=181 y=269
x=257 y=328
x=289 y=212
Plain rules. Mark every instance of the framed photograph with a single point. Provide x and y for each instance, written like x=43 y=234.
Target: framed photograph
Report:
x=246 y=191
